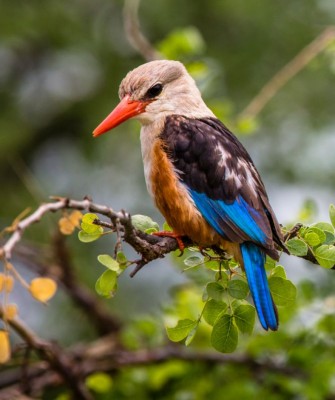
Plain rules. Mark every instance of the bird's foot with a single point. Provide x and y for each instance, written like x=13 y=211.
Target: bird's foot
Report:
x=173 y=235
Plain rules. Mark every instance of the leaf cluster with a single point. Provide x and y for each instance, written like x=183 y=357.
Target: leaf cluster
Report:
x=227 y=309
x=317 y=240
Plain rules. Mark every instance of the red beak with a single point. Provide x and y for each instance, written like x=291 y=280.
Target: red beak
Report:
x=124 y=110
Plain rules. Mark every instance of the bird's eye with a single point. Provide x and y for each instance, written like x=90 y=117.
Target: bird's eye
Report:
x=155 y=90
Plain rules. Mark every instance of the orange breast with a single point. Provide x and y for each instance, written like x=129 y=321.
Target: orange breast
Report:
x=174 y=202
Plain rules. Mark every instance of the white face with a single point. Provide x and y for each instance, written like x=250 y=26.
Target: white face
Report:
x=168 y=89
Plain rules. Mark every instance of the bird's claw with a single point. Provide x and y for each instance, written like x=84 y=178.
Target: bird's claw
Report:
x=173 y=235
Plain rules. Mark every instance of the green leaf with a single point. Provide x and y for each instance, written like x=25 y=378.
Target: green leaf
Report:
x=269 y=263
x=212 y=310
x=106 y=285
x=143 y=222
x=215 y=291
x=245 y=318
x=191 y=335
x=246 y=125
x=315 y=236
x=222 y=278
x=193 y=261
x=88 y=226
x=279 y=271
x=181 y=42
x=167 y=228
x=325 y=255
x=283 y=291
x=328 y=230
x=181 y=330
x=324 y=226
x=121 y=259
x=150 y=231
x=100 y=382
x=332 y=214
x=238 y=289
x=88 y=237
x=297 y=247
x=109 y=262
x=224 y=337
x=313 y=239
x=214 y=265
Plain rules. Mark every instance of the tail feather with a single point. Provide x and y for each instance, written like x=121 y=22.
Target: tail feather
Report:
x=254 y=259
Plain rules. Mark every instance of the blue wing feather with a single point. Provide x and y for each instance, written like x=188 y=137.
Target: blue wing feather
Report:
x=238 y=214
x=241 y=215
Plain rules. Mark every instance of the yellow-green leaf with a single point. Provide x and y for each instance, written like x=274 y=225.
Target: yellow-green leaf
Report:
x=325 y=255
x=106 y=285
x=100 y=382
x=332 y=214
x=279 y=271
x=314 y=236
x=109 y=262
x=88 y=225
x=190 y=336
x=297 y=247
x=143 y=222
x=88 y=237
x=181 y=330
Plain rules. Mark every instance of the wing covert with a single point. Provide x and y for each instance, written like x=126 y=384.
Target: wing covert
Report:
x=221 y=179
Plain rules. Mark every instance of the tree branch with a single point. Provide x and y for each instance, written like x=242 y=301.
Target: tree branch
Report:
x=58 y=360
x=291 y=69
x=150 y=247
x=134 y=34
x=104 y=355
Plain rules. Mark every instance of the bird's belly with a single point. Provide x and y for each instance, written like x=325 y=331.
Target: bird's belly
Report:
x=175 y=203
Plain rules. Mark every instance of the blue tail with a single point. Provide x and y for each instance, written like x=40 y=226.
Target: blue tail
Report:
x=254 y=259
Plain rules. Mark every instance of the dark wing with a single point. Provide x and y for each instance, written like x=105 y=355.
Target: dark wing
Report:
x=222 y=180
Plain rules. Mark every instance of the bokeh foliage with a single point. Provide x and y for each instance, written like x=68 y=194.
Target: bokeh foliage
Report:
x=61 y=64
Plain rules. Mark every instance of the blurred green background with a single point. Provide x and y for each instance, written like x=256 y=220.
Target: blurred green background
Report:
x=61 y=64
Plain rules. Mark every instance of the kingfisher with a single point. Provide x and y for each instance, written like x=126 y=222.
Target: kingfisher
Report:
x=199 y=175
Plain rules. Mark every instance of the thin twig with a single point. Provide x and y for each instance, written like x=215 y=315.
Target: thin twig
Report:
x=292 y=232
x=300 y=61
x=134 y=34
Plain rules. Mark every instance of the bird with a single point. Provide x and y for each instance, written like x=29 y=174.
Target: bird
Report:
x=199 y=174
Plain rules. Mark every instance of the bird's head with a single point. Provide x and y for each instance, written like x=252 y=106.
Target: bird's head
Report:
x=153 y=91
